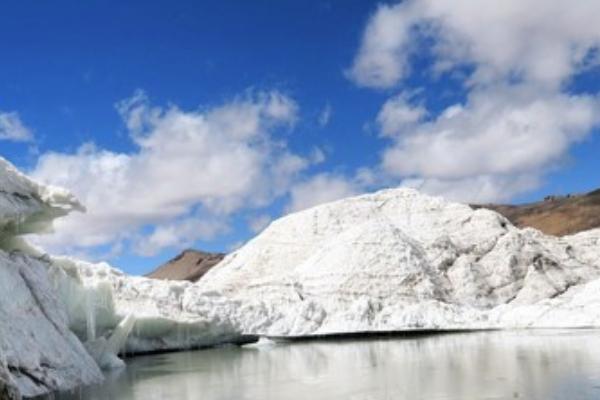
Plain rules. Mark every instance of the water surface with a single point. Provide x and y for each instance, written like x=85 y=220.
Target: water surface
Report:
x=544 y=365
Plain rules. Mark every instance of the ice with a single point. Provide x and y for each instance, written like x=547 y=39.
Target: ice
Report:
x=26 y=206
x=39 y=351
x=161 y=321
x=39 y=348
x=8 y=389
x=400 y=260
x=394 y=260
x=105 y=350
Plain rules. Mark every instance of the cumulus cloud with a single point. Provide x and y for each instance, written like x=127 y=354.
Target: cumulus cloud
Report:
x=13 y=129
x=189 y=172
x=398 y=115
x=517 y=120
x=534 y=40
x=179 y=234
x=386 y=47
x=506 y=131
x=321 y=188
x=499 y=144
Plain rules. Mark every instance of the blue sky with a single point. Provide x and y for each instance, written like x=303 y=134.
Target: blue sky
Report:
x=342 y=96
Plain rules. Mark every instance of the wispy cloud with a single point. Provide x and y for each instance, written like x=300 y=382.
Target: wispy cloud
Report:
x=13 y=129
x=259 y=222
x=325 y=115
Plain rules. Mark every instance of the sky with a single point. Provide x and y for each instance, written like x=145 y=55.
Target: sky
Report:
x=195 y=124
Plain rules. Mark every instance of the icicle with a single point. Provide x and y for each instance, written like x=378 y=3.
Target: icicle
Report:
x=117 y=340
x=105 y=351
x=90 y=315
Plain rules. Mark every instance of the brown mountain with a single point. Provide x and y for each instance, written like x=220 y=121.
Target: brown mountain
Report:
x=555 y=215
x=190 y=265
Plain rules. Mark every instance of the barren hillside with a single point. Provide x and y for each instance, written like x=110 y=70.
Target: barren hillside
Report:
x=556 y=215
x=190 y=265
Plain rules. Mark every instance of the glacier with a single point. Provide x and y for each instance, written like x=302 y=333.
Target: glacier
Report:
x=400 y=260
x=394 y=260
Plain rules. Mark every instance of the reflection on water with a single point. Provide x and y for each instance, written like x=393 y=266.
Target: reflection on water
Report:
x=494 y=365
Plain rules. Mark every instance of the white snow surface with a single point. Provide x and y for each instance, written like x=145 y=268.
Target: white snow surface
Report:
x=401 y=260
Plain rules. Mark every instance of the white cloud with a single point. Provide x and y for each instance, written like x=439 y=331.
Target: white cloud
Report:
x=397 y=115
x=188 y=170
x=325 y=115
x=517 y=122
x=317 y=156
x=259 y=222
x=476 y=189
x=319 y=189
x=506 y=131
x=535 y=40
x=13 y=129
x=179 y=234
x=386 y=46
x=507 y=137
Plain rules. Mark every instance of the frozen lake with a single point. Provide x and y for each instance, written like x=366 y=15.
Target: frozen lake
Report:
x=528 y=365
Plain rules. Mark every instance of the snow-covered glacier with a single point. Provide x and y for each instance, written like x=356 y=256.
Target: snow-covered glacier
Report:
x=401 y=260
x=394 y=260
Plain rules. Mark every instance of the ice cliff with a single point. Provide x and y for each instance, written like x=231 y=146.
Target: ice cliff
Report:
x=387 y=261
x=38 y=351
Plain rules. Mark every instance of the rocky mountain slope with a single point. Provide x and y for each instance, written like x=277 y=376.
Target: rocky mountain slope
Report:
x=190 y=265
x=556 y=215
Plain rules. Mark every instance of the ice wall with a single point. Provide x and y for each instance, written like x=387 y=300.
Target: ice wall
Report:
x=159 y=319
x=39 y=351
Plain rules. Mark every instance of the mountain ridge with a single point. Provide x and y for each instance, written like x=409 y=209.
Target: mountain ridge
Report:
x=555 y=215
x=189 y=265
